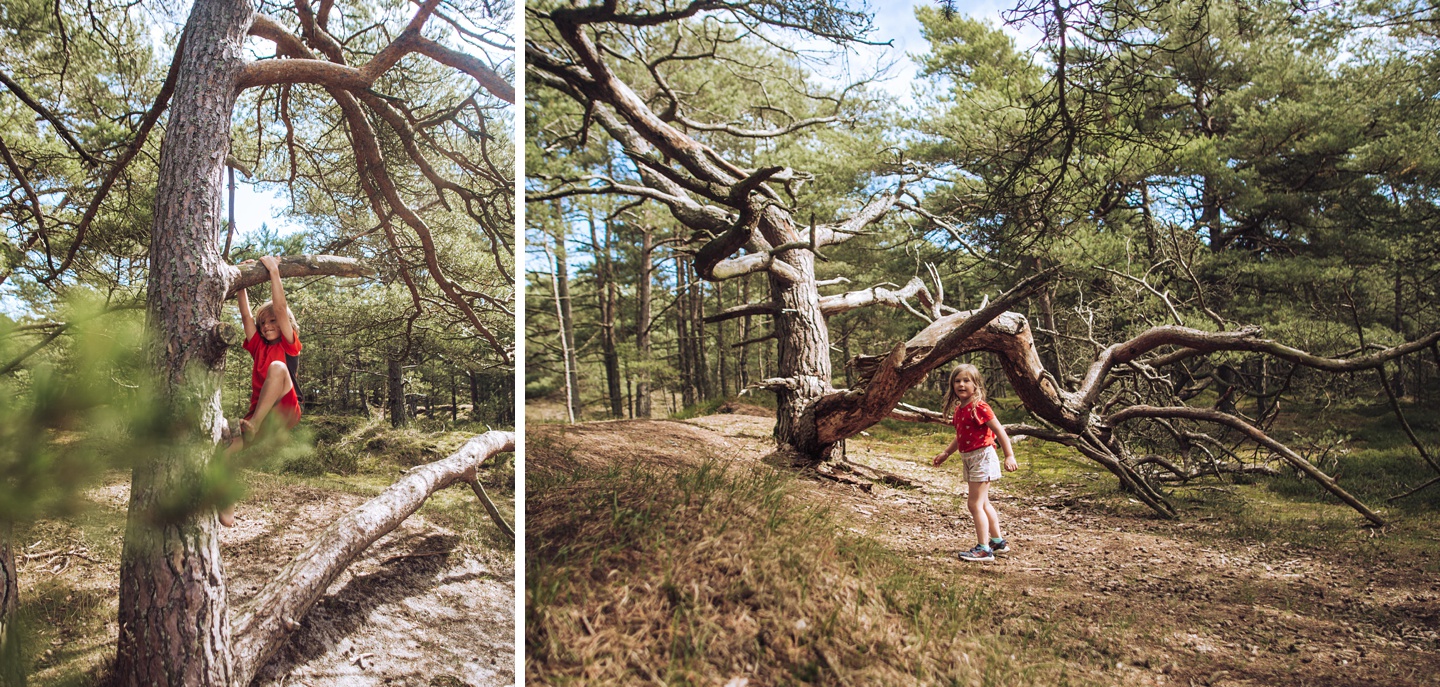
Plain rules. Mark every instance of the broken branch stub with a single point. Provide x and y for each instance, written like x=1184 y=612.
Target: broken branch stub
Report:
x=263 y=624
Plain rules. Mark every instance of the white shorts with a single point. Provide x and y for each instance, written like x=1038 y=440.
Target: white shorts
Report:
x=981 y=465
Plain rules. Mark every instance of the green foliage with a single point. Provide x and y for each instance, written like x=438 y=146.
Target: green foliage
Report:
x=66 y=420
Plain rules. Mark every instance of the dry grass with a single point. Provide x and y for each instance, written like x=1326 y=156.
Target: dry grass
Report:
x=652 y=559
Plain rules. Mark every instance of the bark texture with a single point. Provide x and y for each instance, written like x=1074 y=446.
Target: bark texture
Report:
x=173 y=627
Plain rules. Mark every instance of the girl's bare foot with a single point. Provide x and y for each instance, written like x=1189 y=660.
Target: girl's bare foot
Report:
x=227 y=515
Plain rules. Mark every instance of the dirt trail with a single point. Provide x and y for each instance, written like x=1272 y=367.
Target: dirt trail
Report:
x=416 y=609
x=1180 y=604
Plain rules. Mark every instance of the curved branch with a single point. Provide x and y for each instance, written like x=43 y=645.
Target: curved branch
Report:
x=49 y=116
x=483 y=75
x=1254 y=433
x=162 y=99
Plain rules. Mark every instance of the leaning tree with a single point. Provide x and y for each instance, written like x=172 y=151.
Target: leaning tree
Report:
x=624 y=67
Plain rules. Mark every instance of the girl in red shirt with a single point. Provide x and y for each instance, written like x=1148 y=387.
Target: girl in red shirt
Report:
x=976 y=430
x=272 y=337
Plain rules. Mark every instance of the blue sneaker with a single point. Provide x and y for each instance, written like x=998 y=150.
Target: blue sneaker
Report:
x=981 y=552
x=999 y=545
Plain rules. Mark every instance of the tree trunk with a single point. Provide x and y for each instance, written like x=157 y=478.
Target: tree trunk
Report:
x=474 y=395
x=395 y=385
x=745 y=328
x=173 y=618
x=802 y=341
x=605 y=289
x=12 y=665
x=567 y=327
x=642 y=322
x=688 y=387
x=721 y=371
x=695 y=299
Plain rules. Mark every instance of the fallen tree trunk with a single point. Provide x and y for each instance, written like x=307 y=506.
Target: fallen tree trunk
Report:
x=264 y=623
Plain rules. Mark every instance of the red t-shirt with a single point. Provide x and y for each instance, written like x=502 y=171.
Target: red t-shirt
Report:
x=972 y=429
x=264 y=353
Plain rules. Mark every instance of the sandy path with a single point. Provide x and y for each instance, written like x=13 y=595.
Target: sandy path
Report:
x=1177 y=603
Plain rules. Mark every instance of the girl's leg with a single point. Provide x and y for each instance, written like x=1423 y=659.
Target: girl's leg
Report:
x=976 y=501
x=227 y=514
x=277 y=384
x=994 y=519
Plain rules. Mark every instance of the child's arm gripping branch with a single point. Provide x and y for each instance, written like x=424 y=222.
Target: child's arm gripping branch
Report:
x=277 y=297
x=1004 y=440
x=246 y=317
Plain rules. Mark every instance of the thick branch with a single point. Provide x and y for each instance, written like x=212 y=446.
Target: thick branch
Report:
x=845 y=302
x=842 y=414
x=485 y=76
x=252 y=273
x=262 y=625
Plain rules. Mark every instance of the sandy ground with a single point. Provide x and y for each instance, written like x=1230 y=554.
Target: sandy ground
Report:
x=1184 y=608
x=415 y=609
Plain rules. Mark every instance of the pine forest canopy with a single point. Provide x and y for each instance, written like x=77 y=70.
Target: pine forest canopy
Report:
x=388 y=127
x=1149 y=222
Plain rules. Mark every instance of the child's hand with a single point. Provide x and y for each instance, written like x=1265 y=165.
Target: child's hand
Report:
x=271 y=263
x=1010 y=464
x=939 y=459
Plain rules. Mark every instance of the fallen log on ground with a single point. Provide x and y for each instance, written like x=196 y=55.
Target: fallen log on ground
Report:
x=263 y=624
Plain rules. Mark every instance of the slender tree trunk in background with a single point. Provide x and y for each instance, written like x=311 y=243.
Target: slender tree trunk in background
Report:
x=642 y=322
x=454 y=402
x=395 y=386
x=605 y=289
x=1049 y=355
x=174 y=624
x=745 y=329
x=703 y=388
x=1399 y=326
x=567 y=328
x=682 y=333
x=12 y=666
x=474 y=395
x=722 y=374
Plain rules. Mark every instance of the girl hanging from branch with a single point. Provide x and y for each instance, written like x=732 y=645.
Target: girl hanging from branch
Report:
x=272 y=337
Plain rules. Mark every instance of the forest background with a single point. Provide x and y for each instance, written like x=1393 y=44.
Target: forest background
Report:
x=1213 y=165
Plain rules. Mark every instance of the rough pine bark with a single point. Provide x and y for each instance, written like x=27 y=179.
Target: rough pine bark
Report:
x=12 y=671
x=173 y=620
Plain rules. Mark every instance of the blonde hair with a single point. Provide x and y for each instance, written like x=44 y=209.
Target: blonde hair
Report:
x=265 y=309
x=966 y=370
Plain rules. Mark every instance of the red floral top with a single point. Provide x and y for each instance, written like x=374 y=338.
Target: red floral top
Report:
x=266 y=352
x=972 y=429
